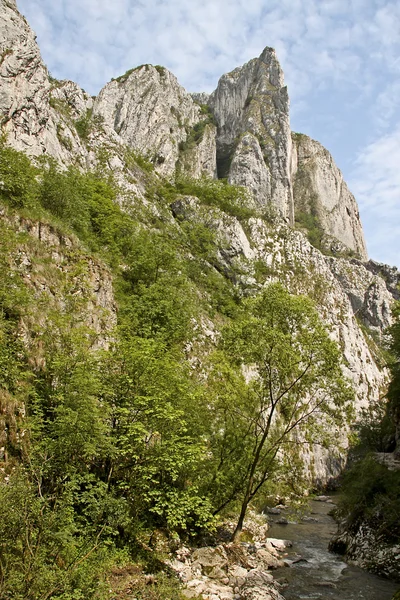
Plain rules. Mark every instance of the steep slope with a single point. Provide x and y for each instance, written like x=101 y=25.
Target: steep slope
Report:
x=144 y=125
x=153 y=114
x=251 y=107
x=320 y=191
x=122 y=271
x=147 y=110
x=37 y=113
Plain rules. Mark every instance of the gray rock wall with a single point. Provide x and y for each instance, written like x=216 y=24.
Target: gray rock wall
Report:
x=319 y=189
x=253 y=100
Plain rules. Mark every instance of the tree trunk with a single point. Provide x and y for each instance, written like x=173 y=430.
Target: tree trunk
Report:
x=239 y=526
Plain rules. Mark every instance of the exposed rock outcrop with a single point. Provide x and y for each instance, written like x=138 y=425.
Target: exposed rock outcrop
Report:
x=232 y=571
x=253 y=100
x=147 y=113
x=35 y=110
x=153 y=114
x=147 y=110
x=370 y=551
x=319 y=190
x=69 y=273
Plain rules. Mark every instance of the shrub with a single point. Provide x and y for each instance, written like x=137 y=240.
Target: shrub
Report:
x=18 y=185
x=371 y=494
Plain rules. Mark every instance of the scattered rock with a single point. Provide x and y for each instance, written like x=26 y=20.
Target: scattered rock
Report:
x=273 y=511
x=280 y=544
x=260 y=586
x=210 y=557
x=299 y=560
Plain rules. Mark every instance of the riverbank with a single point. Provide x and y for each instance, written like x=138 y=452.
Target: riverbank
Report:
x=315 y=572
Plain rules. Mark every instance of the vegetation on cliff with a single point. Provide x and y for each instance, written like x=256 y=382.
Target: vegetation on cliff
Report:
x=102 y=445
x=370 y=496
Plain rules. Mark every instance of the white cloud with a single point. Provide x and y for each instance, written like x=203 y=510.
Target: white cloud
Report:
x=376 y=184
x=330 y=40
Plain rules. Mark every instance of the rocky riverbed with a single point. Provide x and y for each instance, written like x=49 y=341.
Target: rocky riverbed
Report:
x=315 y=573
x=286 y=559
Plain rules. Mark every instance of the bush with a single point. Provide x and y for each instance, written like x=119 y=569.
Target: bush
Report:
x=371 y=494
x=18 y=185
x=231 y=199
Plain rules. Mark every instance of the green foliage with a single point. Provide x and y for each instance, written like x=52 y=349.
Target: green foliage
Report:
x=150 y=393
x=83 y=125
x=313 y=227
x=231 y=199
x=374 y=429
x=394 y=365
x=18 y=186
x=371 y=494
x=161 y=70
x=299 y=388
x=196 y=133
x=61 y=106
x=44 y=554
x=132 y=157
x=370 y=491
x=88 y=123
x=104 y=446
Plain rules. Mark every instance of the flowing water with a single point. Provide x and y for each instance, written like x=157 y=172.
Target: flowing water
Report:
x=320 y=574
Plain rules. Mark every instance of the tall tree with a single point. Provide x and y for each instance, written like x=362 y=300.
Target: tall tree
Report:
x=295 y=392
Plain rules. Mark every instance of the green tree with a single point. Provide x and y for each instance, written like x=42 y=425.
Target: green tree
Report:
x=18 y=186
x=297 y=393
x=156 y=451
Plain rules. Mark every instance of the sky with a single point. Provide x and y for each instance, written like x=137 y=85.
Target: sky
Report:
x=341 y=60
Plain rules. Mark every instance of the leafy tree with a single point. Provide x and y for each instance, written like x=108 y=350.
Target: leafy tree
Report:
x=155 y=449
x=18 y=186
x=298 y=393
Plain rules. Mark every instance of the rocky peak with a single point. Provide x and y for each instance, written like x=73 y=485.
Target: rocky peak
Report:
x=23 y=79
x=153 y=114
x=146 y=109
x=34 y=109
x=251 y=102
x=320 y=191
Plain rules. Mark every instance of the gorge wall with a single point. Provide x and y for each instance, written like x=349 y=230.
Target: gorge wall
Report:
x=240 y=132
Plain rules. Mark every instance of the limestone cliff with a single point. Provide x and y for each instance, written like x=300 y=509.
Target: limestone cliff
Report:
x=242 y=132
x=248 y=139
x=251 y=107
x=35 y=111
x=153 y=114
x=319 y=190
x=62 y=277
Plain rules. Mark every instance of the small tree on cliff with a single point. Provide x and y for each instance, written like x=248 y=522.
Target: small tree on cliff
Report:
x=297 y=394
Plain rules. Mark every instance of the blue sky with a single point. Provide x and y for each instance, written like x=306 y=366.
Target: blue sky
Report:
x=341 y=60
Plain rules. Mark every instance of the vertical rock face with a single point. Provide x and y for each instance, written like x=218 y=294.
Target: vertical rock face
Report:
x=24 y=80
x=153 y=114
x=146 y=109
x=33 y=113
x=319 y=190
x=251 y=107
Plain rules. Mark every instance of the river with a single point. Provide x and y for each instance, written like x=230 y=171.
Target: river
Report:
x=320 y=574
